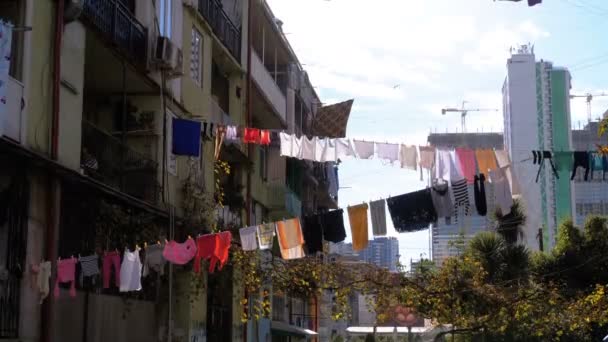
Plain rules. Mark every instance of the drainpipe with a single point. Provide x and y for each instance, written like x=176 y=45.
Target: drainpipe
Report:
x=249 y=146
x=53 y=197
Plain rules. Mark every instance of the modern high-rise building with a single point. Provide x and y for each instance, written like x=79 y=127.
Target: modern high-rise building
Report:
x=536 y=104
x=449 y=235
x=591 y=196
x=383 y=252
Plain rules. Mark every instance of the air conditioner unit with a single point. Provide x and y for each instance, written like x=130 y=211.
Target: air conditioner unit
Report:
x=167 y=56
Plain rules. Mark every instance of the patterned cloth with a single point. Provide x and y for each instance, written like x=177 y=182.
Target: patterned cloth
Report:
x=331 y=121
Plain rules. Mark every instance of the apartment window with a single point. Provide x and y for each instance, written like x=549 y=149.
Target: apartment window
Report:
x=263 y=164
x=196 y=57
x=165 y=17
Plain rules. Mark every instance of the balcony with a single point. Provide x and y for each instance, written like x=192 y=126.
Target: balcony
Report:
x=269 y=88
x=108 y=160
x=283 y=199
x=119 y=26
x=11 y=126
x=222 y=26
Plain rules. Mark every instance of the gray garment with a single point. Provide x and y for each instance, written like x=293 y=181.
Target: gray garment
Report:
x=154 y=260
x=89 y=267
x=442 y=200
x=378 y=214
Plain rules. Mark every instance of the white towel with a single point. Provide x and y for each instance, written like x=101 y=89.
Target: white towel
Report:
x=408 y=157
x=365 y=149
x=308 y=149
x=388 y=151
x=446 y=167
x=320 y=147
x=286 y=144
x=329 y=152
x=249 y=238
x=344 y=148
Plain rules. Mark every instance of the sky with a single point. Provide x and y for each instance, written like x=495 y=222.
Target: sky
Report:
x=404 y=60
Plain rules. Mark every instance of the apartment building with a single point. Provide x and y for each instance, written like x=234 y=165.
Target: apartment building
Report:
x=536 y=108
x=86 y=149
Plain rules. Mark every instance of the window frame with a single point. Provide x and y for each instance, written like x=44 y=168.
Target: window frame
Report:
x=198 y=79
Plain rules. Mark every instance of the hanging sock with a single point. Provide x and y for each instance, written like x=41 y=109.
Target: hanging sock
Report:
x=357 y=215
x=66 y=273
x=479 y=192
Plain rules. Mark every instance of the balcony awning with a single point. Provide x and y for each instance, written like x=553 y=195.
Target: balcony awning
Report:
x=291 y=330
x=331 y=121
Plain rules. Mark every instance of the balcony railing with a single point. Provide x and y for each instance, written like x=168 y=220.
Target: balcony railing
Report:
x=268 y=86
x=11 y=126
x=114 y=20
x=222 y=26
x=108 y=160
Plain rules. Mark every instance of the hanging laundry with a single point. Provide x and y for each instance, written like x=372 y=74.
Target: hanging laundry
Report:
x=332 y=223
x=461 y=198
x=221 y=252
x=313 y=234
x=89 y=267
x=446 y=167
x=581 y=158
x=328 y=152
x=388 y=152
x=43 y=276
x=530 y=2
x=357 y=216
x=485 y=160
x=466 y=160
x=290 y=233
x=442 y=201
x=231 y=134
x=205 y=247
x=502 y=192
x=111 y=260
x=264 y=137
x=308 y=149
x=248 y=238
x=413 y=211
x=130 y=271
x=219 y=140
x=66 y=273
x=320 y=147
x=504 y=162
x=265 y=235
x=365 y=149
x=186 y=137
x=378 y=214
x=427 y=158
x=290 y=253
x=251 y=136
x=479 y=191
x=286 y=144
x=344 y=148
x=154 y=260
x=180 y=253
x=541 y=156
x=408 y=157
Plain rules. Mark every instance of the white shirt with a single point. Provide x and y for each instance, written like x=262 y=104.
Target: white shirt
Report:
x=130 y=272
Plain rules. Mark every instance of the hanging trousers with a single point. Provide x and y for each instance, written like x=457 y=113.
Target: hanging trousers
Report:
x=539 y=158
x=480 y=194
x=581 y=158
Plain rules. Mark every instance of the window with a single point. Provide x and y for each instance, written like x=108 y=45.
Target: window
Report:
x=196 y=57
x=164 y=17
x=263 y=164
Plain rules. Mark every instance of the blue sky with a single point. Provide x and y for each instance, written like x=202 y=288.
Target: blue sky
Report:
x=438 y=53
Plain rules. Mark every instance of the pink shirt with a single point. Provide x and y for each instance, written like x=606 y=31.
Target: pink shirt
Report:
x=180 y=253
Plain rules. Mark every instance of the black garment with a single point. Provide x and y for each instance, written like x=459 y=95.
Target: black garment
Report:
x=313 y=234
x=530 y=2
x=412 y=212
x=539 y=158
x=581 y=158
x=332 y=224
x=479 y=190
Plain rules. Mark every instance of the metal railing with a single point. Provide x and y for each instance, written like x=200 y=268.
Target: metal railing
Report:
x=107 y=159
x=222 y=26
x=115 y=20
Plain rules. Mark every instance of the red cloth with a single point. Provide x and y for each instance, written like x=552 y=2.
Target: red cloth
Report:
x=222 y=247
x=466 y=160
x=251 y=136
x=265 y=137
x=205 y=247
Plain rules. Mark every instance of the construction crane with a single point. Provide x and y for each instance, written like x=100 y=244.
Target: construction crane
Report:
x=463 y=113
x=588 y=97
